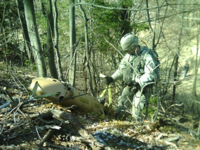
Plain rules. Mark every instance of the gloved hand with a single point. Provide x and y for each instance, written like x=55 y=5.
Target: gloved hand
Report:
x=108 y=80
x=131 y=83
x=137 y=77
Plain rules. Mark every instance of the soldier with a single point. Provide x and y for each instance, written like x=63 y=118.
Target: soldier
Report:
x=137 y=71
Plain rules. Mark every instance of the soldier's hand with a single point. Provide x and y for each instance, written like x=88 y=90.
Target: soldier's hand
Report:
x=108 y=80
x=137 y=77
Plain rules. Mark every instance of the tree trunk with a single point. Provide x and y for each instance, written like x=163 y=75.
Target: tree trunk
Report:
x=4 y=46
x=24 y=28
x=94 y=70
x=85 y=71
x=56 y=38
x=125 y=16
x=50 y=35
x=180 y=6
x=34 y=37
x=196 y=65
x=72 y=67
x=87 y=51
x=149 y=21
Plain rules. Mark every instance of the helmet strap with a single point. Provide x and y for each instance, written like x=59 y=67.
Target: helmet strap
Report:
x=136 y=50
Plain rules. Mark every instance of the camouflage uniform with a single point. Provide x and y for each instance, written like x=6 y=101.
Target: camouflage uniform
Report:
x=138 y=66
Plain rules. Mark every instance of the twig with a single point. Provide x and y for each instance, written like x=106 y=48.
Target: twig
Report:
x=18 y=126
x=168 y=143
x=46 y=137
x=59 y=147
x=38 y=133
x=14 y=78
x=6 y=117
x=162 y=107
x=172 y=144
x=18 y=109
x=7 y=93
x=94 y=144
x=159 y=136
x=18 y=81
x=198 y=131
x=113 y=47
x=4 y=105
x=194 y=101
x=132 y=130
x=172 y=138
x=174 y=105
x=46 y=122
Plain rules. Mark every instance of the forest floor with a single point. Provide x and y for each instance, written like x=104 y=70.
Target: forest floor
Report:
x=34 y=127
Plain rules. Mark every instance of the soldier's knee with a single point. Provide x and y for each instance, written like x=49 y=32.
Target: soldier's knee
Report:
x=139 y=100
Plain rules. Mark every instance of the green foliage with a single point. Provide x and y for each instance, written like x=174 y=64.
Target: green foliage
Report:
x=108 y=16
x=9 y=15
x=153 y=100
x=27 y=62
x=152 y=105
x=101 y=117
x=92 y=114
x=103 y=24
x=139 y=27
x=42 y=25
x=111 y=24
x=151 y=111
x=34 y=68
x=126 y=3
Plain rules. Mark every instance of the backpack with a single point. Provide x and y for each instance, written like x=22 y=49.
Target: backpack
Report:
x=154 y=54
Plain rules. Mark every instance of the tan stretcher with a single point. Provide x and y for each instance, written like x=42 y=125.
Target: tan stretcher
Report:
x=66 y=95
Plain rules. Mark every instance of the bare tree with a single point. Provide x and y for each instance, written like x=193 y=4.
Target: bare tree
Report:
x=56 y=39
x=34 y=37
x=176 y=57
x=20 y=7
x=196 y=63
x=50 y=35
x=87 y=58
x=72 y=67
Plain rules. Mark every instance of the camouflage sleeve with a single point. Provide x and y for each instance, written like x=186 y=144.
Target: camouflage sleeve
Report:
x=119 y=72
x=117 y=75
x=148 y=75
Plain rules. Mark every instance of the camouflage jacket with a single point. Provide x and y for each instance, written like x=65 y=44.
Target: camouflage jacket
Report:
x=141 y=66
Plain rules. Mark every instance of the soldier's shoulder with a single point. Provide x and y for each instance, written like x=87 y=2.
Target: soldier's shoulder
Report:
x=125 y=58
x=146 y=53
x=144 y=50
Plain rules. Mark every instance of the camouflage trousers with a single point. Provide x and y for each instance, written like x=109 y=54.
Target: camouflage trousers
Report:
x=132 y=99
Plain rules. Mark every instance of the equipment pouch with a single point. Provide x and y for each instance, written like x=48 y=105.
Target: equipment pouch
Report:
x=127 y=75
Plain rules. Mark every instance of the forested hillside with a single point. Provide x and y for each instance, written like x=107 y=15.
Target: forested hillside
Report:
x=74 y=42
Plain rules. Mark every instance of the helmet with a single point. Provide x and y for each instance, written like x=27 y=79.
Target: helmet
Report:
x=128 y=41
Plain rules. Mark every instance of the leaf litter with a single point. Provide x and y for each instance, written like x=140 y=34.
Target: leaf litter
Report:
x=29 y=123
